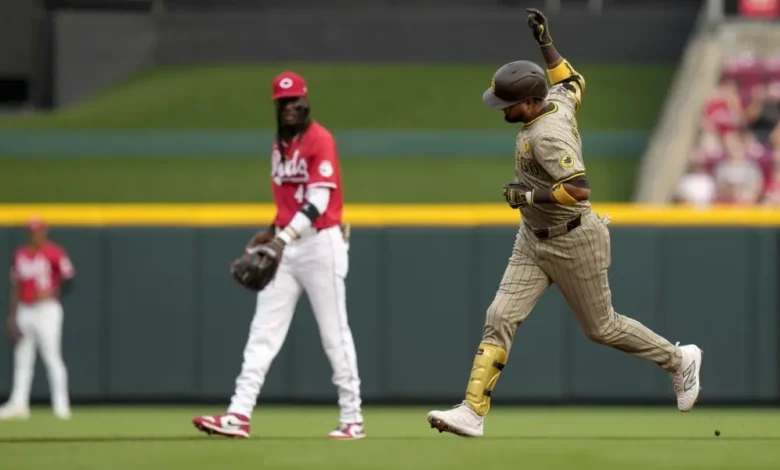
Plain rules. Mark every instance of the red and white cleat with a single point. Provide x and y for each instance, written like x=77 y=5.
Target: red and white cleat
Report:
x=228 y=425
x=348 y=431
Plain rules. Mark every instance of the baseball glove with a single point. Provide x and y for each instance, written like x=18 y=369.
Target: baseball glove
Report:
x=258 y=266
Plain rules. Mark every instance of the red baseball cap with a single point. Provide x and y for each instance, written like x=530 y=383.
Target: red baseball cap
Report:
x=288 y=85
x=35 y=224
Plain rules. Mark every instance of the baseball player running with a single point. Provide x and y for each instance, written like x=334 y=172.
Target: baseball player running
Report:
x=560 y=239
x=308 y=230
x=40 y=272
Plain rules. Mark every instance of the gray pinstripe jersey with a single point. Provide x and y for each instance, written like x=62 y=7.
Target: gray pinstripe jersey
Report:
x=548 y=150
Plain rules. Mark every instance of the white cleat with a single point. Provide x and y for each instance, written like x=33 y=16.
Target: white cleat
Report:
x=462 y=420
x=348 y=432
x=686 y=380
x=62 y=414
x=9 y=412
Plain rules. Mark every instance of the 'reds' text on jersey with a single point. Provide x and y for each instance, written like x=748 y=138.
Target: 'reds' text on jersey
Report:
x=310 y=160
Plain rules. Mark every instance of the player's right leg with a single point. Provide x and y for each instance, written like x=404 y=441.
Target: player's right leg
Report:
x=271 y=322
x=519 y=291
x=578 y=263
x=18 y=405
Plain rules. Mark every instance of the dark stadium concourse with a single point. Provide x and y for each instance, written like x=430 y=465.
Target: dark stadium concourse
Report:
x=72 y=47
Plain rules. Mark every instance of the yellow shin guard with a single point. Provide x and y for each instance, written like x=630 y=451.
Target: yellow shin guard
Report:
x=488 y=363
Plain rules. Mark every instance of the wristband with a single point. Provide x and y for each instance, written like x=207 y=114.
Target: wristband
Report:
x=287 y=235
x=541 y=196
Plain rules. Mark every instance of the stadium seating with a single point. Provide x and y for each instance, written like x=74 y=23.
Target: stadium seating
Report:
x=737 y=160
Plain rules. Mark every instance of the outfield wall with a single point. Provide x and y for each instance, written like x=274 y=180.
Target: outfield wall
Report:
x=155 y=314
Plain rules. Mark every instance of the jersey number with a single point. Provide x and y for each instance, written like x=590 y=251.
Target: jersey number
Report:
x=299 y=194
x=529 y=166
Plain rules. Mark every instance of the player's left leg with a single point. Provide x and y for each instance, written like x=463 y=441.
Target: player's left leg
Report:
x=578 y=263
x=521 y=286
x=49 y=331
x=326 y=261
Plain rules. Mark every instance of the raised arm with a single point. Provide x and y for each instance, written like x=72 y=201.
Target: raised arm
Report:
x=559 y=70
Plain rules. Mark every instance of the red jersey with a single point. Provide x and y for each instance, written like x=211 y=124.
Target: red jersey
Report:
x=39 y=271
x=311 y=160
x=772 y=192
x=718 y=113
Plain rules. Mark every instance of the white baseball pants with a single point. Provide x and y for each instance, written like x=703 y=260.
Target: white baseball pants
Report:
x=317 y=263
x=41 y=327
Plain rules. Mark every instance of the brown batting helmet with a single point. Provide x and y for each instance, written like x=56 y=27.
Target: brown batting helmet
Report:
x=515 y=82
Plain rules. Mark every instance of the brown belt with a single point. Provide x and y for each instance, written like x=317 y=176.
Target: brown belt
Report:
x=346 y=229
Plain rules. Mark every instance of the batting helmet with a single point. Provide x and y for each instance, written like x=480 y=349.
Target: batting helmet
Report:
x=515 y=82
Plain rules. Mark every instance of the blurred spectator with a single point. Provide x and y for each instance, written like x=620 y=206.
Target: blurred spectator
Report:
x=746 y=68
x=774 y=139
x=738 y=180
x=697 y=187
x=724 y=112
x=711 y=151
x=737 y=160
x=763 y=113
x=758 y=153
x=772 y=194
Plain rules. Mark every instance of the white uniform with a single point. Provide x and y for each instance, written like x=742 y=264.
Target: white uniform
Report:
x=316 y=262
x=40 y=323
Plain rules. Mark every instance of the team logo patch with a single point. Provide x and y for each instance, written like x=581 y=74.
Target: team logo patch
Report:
x=566 y=161
x=286 y=83
x=493 y=85
x=326 y=169
x=527 y=145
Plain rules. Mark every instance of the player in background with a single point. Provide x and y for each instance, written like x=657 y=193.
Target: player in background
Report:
x=560 y=239
x=306 y=180
x=40 y=274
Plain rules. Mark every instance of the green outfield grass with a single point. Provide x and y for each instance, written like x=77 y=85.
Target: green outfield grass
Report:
x=398 y=438
x=400 y=180
x=346 y=96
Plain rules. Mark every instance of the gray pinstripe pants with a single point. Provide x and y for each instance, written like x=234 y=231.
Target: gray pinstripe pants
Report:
x=577 y=262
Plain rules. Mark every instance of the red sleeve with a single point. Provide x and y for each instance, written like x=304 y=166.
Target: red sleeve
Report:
x=61 y=262
x=324 y=162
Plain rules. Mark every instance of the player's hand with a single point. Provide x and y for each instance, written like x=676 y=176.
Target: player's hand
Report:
x=540 y=27
x=46 y=294
x=517 y=195
x=272 y=249
x=13 y=331
x=261 y=237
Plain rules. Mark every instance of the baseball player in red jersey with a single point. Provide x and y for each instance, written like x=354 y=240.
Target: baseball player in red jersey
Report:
x=308 y=229
x=40 y=272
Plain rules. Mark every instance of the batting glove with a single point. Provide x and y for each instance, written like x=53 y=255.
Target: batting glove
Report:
x=539 y=25
x=518 y=196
